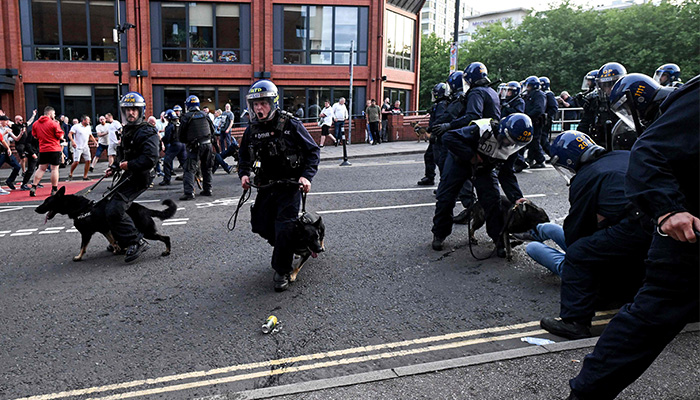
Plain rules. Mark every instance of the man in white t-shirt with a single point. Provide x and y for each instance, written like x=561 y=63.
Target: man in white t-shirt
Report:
x=340 y=114
x=326 y=121
x=115 y=128
x=102 y=130
x=80 y=137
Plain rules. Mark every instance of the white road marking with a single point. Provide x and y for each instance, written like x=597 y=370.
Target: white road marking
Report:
x=27 y=230
x=174 y=223
x=373 y=191
x=375 y=208
x=21 y=234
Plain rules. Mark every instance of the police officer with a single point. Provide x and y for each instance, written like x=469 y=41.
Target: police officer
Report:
x=511 y=103
x=197 y=133
x=454 y=109
x=551 y=110
x=635 y=99
x=662 y=180
x=178 y=111
x=606 y=238
x=597 y=120
x=173 y=147
x=139 y=148
x=276 y=147
x=535 y=108
x=439 y=99
x=668 y=75
x=476 y=150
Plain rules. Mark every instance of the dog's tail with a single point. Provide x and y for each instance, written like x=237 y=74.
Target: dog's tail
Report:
x=167 y=213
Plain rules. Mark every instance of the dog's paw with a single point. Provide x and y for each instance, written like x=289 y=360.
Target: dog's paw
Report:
x=165 y=253
x=78 y=258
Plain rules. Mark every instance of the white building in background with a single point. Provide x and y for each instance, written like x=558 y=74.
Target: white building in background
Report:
x=439 y=16
x=473 y=22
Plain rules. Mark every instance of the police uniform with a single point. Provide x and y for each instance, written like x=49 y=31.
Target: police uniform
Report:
x=512 y=106
x=535 y=108
x=663 y=177
x=173 y=149
x=196 y=132
x=597 y=119
x=279 y=149
x=432 y=153
x=551 y=109
x=462 y=145
x=140 y=148
x=611 y=251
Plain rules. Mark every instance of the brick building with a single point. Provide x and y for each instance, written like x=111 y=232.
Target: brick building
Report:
x=62 y=53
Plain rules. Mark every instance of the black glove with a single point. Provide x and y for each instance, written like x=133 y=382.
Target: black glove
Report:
x=439 y=129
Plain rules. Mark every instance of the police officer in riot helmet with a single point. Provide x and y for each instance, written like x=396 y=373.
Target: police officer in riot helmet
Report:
x=173 y=147
x=284 y=158
x=196 y=132
x=138 y=152
x=511 y=102
x=635 y=99
x=432 y=158
x=178 y=111
x=668 y=75
x=535 y=108
x=475 y=151
x=598 y=120
x=551 y=110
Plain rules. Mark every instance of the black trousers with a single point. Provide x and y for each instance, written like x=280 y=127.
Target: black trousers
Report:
x=198 y=156
x=174 y=150
x=429 y=159
x=31 y=167
x=120 y=223
x=612 y=257
x=667 y=301
x=272 y=217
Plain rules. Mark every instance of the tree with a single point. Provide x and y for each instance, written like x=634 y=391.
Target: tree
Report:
x=434 y=66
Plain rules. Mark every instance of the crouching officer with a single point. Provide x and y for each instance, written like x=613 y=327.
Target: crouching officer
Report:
x=606 y=237
x=476 y=150
x=196 y=131
x=276 y=147
x=140 y=145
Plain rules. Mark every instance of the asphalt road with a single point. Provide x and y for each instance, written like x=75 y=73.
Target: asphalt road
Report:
x=188 y=325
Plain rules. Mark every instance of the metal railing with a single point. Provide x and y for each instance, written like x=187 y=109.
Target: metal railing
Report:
x=559 y=123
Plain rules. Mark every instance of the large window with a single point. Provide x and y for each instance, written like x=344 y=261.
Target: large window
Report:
x=165 y=97
x=70 y=30
x=311 y=99
x=399 y=41
x=73 y=100
x=306 y=34
x=404 y=96
x=200 y=32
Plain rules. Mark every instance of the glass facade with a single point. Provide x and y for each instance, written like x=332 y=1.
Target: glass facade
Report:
x=399 y=41
x=200 y=32
x=311 y=99
x=70 y=30
x=402 y=95
x=307 y=34
x=165 y=97
x=73 y=100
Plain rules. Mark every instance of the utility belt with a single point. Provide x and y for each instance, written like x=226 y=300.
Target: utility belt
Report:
x=196 y=143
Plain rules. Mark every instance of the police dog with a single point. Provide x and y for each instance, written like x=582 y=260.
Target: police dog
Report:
x=308 y=235
x=90 y=217
x=421 y=133
x=518 y=218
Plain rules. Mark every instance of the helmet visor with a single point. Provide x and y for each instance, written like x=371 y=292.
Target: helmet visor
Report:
x=433 y=98
x=623 y=111
x=465 y=85
x=586 y=84
x=565 y=172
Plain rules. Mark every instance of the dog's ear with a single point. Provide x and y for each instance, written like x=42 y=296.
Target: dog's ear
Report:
x=318 y=222
x=61 y=191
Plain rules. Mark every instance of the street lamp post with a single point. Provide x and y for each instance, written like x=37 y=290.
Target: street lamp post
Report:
x=117 y=37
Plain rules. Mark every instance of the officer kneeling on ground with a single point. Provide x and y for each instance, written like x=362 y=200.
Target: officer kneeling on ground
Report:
x=139 y=148
x=276 y=147
x=196 y=131
x=476 y=150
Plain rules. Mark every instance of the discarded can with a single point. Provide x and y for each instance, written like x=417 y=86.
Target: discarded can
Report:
x=270 y=324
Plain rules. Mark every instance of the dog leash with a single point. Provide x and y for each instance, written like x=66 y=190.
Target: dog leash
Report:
x=246 y=196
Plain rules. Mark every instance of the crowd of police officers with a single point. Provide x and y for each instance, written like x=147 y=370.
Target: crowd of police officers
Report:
x=628 y=208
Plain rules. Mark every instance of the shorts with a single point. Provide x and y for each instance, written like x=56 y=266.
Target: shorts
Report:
x=112 y=149
x=325 y=130
x=81 y=152
x=19 y=147
x=50 y=157
x=100 y=149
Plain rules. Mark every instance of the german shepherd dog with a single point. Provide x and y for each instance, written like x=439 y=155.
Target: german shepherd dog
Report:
x=90 y=217
x=518 y=218
x=309 y=233
x=421 y=132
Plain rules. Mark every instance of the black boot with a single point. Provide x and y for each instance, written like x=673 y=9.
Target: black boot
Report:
x=135 y=250
x=437 y=243
x=566 y=329
x=281 y=282
x=425 y=181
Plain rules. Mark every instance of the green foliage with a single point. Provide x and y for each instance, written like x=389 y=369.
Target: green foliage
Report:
x=434 y=66
x=567 y=42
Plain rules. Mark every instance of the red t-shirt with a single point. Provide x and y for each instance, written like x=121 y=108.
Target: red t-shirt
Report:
x=49 y=134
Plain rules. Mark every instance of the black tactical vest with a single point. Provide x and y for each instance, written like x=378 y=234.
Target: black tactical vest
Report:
x=274 y=149
x=196 y=126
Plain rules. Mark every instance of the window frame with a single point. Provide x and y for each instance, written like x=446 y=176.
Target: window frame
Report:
x=29 y=48
x=361 y=51
x=399 y=56
x=242 y=52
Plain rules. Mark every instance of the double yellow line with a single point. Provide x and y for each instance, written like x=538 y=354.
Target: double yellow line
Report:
x=308 y=357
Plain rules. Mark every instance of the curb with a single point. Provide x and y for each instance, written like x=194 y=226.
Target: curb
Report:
x=391 y=373
x=390 y=153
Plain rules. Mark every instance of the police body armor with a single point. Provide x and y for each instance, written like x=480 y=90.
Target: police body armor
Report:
x=603 y=120
x=274 y=153
x=196 y=129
